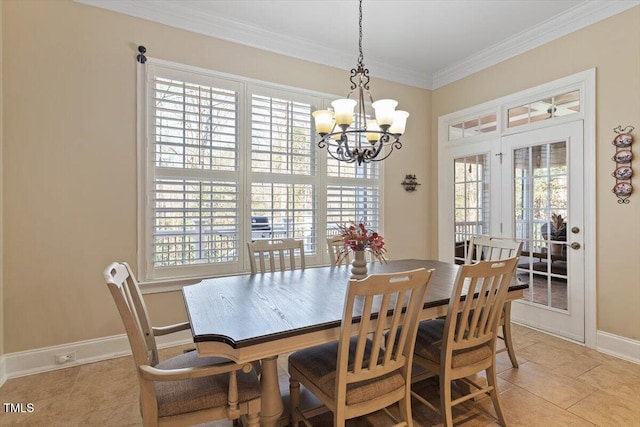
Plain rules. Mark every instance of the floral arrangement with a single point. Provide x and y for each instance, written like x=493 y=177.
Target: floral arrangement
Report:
x=357 y=237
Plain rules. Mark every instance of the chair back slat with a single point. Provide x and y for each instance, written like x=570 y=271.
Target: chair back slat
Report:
x=485 y=248
x=395 y=325
x=473 y=321
x=378 y=307
x=378 y=335
x=280 y=254
x=126 y=294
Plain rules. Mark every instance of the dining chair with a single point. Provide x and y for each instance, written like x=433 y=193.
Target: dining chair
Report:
x=493 y=248
x=335 y=245
x=279 y=253
x=186 y=389
x=463 y=343
x=360 y=373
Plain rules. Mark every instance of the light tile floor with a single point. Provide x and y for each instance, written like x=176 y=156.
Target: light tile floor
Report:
x=558 y=384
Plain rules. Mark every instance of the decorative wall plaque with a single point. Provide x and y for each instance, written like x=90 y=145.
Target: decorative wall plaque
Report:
x=623 y=157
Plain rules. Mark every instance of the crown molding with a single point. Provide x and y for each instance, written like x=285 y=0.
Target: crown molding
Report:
x=168 y=13
x=574 y=19
x=253 y=36
x=398 y=74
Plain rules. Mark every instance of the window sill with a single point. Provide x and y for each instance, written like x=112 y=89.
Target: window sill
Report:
x=176 y=284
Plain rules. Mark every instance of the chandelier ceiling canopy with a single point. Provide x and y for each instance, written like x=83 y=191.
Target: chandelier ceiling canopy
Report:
x=367 y=140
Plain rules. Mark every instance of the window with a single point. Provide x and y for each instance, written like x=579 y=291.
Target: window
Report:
x=226 y=160
x=545 y=109
x=473 y=126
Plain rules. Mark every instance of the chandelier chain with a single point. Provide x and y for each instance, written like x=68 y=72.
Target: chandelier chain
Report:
x=360 y=56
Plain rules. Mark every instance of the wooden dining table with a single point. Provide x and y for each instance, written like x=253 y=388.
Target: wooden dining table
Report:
x=260 y=316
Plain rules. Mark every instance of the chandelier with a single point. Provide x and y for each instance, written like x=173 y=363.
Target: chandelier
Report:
x=371 y=140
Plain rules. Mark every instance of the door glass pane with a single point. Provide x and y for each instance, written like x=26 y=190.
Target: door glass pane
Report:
x=471 y=187
x=540 y=174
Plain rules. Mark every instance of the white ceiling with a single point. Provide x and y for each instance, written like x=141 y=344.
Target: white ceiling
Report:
x=424 y=43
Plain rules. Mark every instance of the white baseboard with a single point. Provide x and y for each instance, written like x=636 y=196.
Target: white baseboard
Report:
x=613 y=345
x=621 y=347
x=44 y=359
x=3 y=372
x=13 y=365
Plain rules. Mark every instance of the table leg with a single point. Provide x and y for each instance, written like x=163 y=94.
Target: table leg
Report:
x=272 y=407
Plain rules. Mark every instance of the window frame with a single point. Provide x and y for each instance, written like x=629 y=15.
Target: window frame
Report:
x=160 y=278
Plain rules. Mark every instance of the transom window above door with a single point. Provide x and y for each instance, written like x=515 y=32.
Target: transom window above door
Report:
x=473 y=126
x=544 y=109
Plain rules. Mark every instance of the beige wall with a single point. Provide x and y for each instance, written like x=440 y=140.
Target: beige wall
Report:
x=613 y=48
x=1 y=199
x=70 y=156
x=70 y=159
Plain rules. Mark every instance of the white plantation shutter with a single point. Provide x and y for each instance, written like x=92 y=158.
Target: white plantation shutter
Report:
x=353 y=194
x=194 y=176
x=352 y=203
x=290 y=210
x=195 y=126
x=283 y=167
x=195 y=222
x=352 y=170
x=281 y=133
x=224 y=161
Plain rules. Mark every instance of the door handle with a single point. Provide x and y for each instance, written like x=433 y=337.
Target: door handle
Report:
x=575 y=245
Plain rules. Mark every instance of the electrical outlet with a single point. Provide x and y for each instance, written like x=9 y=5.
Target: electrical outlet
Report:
x=65 y=357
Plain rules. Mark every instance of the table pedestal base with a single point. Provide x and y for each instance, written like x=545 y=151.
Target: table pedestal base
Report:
x=272 y=407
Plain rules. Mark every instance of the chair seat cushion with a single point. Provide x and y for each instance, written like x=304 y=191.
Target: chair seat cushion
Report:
x=177 y=397
x=318 y=364
x=429 y=346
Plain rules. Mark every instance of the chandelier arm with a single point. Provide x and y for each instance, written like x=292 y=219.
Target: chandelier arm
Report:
x=378 y=148
x=342 y=158
x=326 y=142
x=384 y=136
x=323 y=142
x=344 y=142
x=367 y=155
x=378 y=159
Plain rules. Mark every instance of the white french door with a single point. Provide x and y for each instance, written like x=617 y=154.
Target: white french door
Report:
x=543 y=172
x=523 y=166
x=513 y=187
